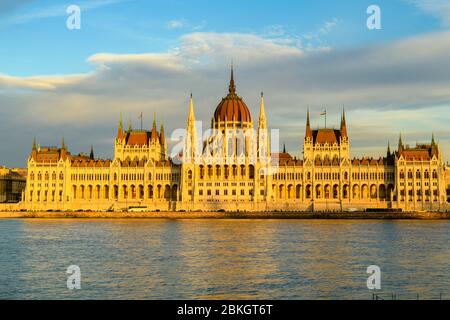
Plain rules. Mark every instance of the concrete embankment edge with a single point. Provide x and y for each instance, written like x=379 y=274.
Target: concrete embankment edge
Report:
x=229 y=215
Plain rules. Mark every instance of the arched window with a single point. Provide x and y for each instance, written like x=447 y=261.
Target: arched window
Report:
x=243 y=170
x=210 y=171
x=251 y=172
x=202 y=172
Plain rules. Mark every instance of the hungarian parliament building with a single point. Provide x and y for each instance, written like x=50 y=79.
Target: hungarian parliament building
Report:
x=234 y=169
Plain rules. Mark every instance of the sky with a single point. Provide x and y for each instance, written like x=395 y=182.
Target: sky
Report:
x=132 y=56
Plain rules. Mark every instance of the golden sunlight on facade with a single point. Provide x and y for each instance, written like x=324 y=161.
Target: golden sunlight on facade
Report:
x=241 y=174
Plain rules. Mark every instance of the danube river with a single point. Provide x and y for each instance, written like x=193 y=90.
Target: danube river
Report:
x=223 y=259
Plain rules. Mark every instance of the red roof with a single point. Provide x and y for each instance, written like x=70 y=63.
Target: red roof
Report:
x=415 y=154
x=420 y=152
x=322 y=136
x=139 y=138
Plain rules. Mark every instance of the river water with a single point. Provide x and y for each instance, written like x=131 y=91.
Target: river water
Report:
x=223 y=259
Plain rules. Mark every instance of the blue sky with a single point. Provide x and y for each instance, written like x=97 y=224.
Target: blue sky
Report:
x=35 y=41
x=135 y=55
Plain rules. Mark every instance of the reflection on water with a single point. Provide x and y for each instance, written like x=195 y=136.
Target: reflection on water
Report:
x=222 y=259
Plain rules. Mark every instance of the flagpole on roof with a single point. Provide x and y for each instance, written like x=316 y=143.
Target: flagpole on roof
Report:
x=141 y=117
x=325 y=114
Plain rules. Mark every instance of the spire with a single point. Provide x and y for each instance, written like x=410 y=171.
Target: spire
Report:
x=154 y=133
x=91 y=155
x=120 y=128
x=63 y=150
x=262 y=114
x=190 y=146
x=34 y=149
x=343 y=124
x=389 y=149
x=400 y=143
x=434 y=147
x=232 y=87
x=129 y=125
x=162 y=138
x=191 y=116
x=308 y=133
x=284 y=147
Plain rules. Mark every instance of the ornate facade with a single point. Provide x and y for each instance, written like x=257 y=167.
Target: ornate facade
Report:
x=233 y=169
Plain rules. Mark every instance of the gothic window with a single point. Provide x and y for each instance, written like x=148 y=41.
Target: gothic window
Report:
x=251 y=171
x=202 y=172
x=210 y=171
x=243 y=171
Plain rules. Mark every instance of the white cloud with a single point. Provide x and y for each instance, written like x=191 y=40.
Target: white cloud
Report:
x=328 y=26
x=185 y=24
x=58 y=10
x=163 y=61
x=176 y=24
x=41 y=82
x=398 y=86
x=438 y=8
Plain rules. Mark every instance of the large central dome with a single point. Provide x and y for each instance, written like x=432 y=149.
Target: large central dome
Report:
x=232 y=108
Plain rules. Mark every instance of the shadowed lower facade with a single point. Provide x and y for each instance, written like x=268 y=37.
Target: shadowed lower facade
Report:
x=234 y=169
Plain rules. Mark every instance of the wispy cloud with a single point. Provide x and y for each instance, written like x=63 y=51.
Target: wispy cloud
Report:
x=175 y=24
x=57 y=11
x=403 y=86
x=7 y=6
x=309 y=41
x=438 y=8
x=184 y=24
x=314 y=40
x=328 y=26
x=40 y=82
